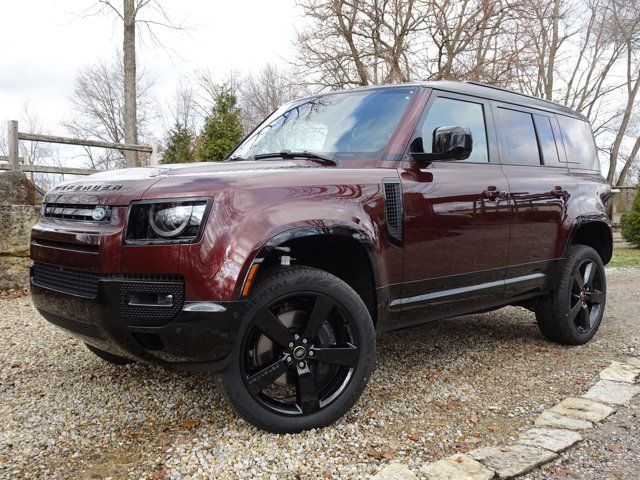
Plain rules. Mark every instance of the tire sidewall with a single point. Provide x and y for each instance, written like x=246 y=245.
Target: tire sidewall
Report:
x=578 y=257
x=280 y=284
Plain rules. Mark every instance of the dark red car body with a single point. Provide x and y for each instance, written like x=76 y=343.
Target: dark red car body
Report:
x=471 y=237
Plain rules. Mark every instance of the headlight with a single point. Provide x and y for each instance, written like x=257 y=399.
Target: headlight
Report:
x=166 y=222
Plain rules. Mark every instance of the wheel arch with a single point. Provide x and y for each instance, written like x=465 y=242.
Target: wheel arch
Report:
x=594 y=232
x=341 y=250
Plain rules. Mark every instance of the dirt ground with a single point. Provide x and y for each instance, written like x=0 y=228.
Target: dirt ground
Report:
x=444 y=387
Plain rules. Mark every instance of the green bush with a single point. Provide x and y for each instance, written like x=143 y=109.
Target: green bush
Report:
x=630 y=222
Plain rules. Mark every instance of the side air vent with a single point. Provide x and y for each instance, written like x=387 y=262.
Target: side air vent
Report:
x=393 y=208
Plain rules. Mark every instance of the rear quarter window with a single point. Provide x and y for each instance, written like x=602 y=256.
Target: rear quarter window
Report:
x=578 y=142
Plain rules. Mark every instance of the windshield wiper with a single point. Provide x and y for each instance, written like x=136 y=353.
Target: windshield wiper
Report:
x=315 y=157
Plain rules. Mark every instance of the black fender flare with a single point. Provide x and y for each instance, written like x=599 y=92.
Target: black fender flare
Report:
x=580 y=222
x=308 y=231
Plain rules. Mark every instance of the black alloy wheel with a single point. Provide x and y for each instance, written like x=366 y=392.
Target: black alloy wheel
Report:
x=572 y=313
x=305 y=353
x=586 y=296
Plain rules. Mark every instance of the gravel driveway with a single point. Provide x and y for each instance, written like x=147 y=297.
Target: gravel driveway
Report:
x=445 y=387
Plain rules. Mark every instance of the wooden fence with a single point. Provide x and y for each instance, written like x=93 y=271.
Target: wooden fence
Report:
x=14 y=162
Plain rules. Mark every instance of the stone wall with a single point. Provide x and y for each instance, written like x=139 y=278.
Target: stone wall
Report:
x=17 y=214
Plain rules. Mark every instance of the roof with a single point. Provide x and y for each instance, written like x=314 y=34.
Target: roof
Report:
x=502 y=95
x=481 y=90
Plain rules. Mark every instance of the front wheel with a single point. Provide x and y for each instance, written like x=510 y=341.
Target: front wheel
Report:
x=572 y=314
x=304 y=354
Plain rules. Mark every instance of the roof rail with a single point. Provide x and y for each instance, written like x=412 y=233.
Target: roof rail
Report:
x=502 y=89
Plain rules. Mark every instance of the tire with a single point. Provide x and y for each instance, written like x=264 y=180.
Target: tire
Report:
x=573 y=312
x=110 y=357
x=304 y=353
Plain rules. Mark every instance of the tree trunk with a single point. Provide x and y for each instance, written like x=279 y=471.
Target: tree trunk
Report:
x=553 y=49
x=627 y=165
x=129 y=57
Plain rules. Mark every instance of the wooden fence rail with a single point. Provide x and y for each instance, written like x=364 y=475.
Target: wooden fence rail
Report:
x=14 y=162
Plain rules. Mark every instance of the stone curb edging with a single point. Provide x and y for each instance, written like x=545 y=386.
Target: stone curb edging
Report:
x=555 y=430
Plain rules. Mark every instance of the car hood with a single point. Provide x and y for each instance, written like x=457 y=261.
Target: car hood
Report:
x=119 y=187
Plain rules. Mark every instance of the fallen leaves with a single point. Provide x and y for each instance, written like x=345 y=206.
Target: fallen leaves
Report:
x=615 y=448
x=158 y=474
x=379 y=454
x=129 y=434
x=189 y=424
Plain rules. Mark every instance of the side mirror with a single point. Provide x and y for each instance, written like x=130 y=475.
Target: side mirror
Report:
x=449 y=143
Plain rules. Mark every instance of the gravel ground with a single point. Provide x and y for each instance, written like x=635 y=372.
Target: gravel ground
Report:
x=448 y=386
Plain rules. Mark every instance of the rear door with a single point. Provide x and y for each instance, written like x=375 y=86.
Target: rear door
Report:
x=456 y=217
x=540 y=186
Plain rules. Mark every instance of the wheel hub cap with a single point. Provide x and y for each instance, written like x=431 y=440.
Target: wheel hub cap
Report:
x=299 y=352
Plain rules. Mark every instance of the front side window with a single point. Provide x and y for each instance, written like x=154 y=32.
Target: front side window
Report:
x=518 y=137
x=345 y=125
x=447 y=112
x=578 y=142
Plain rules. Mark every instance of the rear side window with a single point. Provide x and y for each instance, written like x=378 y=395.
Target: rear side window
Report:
x=448 y=112
x=578 y=142
x=547 y=141
x=518 y=137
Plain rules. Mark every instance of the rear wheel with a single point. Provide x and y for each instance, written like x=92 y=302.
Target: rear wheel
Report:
x=109 y=357
x=573 y=313
x=305 y=351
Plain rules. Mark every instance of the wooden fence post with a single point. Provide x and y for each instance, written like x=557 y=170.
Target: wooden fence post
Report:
x=12 y=132
x=154 y=158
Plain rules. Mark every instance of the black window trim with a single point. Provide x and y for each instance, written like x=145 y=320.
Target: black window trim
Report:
x=555 y=127
x=489 y=124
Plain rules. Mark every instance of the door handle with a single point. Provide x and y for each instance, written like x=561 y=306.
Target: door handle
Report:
x=492 y=193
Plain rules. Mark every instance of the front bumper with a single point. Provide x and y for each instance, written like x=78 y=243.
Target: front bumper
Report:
x=129 y=315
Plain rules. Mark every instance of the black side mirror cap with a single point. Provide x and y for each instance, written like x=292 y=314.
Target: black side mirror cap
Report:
x=449 y=143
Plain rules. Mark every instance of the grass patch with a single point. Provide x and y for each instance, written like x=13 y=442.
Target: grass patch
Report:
x=625 y=257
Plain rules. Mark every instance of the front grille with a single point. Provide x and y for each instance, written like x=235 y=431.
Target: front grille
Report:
x=72 y=325
x=141 y=296
x=72 y=211
x=65 y=280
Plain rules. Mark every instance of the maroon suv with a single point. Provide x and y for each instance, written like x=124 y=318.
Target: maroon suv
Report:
x=341 y=215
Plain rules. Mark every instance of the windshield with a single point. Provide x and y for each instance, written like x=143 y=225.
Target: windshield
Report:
x=345 y=125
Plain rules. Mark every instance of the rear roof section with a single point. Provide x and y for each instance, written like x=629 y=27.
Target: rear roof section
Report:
x=502 y=95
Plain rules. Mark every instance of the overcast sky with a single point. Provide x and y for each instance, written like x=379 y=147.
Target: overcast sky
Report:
x=45 y=42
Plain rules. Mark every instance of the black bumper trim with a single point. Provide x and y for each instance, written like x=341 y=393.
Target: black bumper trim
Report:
x=190 y=340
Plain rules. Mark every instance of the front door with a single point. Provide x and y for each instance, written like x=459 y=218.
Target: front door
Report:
x=456 y=218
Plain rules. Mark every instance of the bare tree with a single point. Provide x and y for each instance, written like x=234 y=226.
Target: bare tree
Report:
x=585 y=56
x=183 y=107
x=261 y=93
x=98 y=109
x=149 y=14
x=465 y=40
x=358 y=42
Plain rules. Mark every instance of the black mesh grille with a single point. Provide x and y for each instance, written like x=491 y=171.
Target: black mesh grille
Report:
x=73 y=325
x=129 y=290
x=393 y=209
x=66 y=280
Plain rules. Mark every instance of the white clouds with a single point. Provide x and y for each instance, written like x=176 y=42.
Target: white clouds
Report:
x=49 y=40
